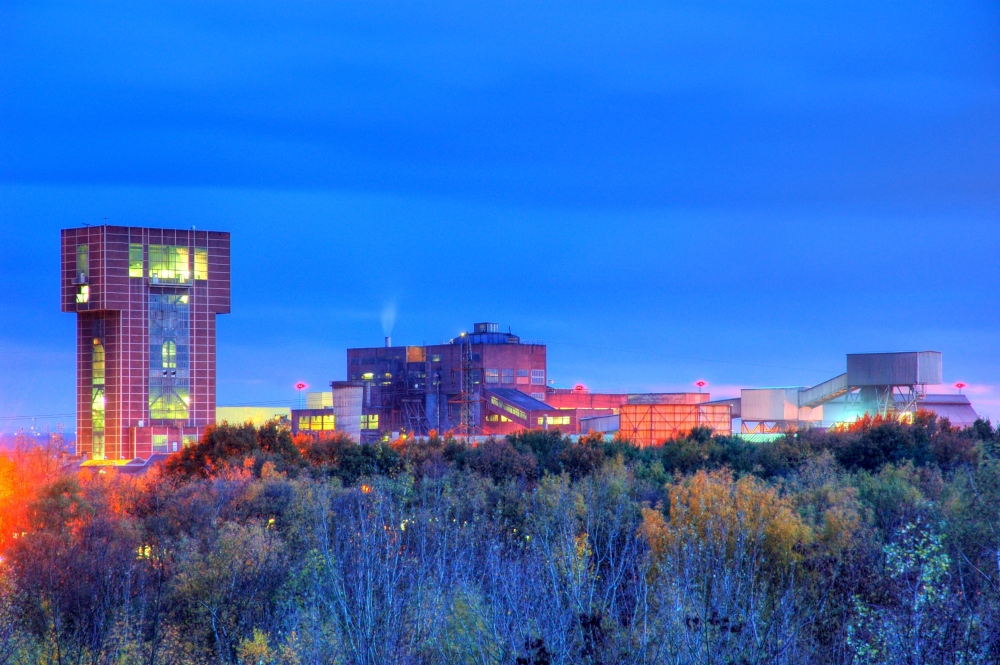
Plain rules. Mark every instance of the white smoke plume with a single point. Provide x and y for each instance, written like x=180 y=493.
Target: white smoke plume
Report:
x=388 y=318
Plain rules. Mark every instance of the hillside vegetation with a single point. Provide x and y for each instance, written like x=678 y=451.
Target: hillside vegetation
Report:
x=877 y=544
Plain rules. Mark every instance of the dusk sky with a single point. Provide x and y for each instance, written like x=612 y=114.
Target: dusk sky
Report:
x=661 y=192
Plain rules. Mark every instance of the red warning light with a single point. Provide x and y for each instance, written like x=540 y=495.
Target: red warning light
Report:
x=960 y=385
x=300 y=385
x=579 y=386
x=700 y=384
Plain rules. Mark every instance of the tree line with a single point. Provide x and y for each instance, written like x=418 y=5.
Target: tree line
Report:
x=878 y=543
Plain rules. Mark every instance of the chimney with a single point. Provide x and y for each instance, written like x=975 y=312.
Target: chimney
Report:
x=388 y=342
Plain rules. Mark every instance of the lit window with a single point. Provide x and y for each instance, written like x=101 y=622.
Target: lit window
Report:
x=82 y=264
x=492 y=375
x=538 y=377
x=435 y=358
x=506 y=376
x=303 y=422
x=135 y=260
x=554 y=420
x=98 y=365
x=83 y=294
x=369 y=421
x=98 y=402
x=200 y=263
x=169 y=355
x=368 y=376
x=170 y=404
x=168 y=263
x=160 y=443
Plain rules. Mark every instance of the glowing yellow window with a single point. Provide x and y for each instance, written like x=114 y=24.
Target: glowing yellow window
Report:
x=169 y=263
x=98 y=365
x=135 y=260
x=200 y=263
x=83 y=295
x=182 y=264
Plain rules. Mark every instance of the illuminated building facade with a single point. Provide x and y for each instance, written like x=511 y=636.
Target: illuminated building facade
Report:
x=146 y=301
x=651 y=419
x=464 y=385
x=489 y=382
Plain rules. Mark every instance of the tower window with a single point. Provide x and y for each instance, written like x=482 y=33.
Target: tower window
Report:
x=135 y=260
x=82 y=264
x=169 y=354
x=169 y=263
x=200 y=263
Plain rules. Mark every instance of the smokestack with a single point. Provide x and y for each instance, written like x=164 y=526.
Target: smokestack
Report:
x=388 y=341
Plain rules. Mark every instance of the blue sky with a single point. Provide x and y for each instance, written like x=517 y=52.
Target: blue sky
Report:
x=663 y=192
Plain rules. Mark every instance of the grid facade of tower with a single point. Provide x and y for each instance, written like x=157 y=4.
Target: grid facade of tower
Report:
x=146 y=301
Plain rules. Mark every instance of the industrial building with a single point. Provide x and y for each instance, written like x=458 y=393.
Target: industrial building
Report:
x=146 y=301
x=255 y=415
x=489 y=382
x=339 y=409
x=885 y=384
x=463 y=385
x=649 y=419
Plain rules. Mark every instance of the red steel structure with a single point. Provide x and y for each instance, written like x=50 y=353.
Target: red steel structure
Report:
x=146 y=301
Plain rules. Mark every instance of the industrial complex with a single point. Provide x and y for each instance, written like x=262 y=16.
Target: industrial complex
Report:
x=488 y=383
x=146 y=301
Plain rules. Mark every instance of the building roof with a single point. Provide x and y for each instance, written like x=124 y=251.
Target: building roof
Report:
x=956 y=408
x=520 y=400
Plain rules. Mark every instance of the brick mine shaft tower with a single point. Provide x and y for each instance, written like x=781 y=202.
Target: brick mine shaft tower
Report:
x=146 y=301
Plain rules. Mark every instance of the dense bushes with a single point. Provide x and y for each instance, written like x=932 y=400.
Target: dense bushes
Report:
x=878 y=544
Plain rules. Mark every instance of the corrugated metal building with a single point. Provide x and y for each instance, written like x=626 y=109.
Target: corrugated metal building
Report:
x=651 y=419
x=956 y=408
x=894 y=369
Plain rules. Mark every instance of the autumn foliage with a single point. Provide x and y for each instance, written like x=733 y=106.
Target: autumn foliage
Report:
x=876 y=544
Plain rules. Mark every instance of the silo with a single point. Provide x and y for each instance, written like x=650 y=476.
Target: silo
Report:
x=347 y=396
